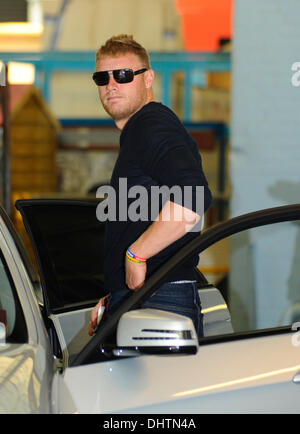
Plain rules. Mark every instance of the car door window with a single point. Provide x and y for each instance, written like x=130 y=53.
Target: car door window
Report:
x=259 y=275
x=11 y=315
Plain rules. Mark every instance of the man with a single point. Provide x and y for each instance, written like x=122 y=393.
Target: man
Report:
x=155 y=151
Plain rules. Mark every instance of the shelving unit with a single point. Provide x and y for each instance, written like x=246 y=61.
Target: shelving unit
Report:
x=192 y=64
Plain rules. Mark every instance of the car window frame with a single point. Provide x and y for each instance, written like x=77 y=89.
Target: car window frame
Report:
x=21 y=205
x=197 y=245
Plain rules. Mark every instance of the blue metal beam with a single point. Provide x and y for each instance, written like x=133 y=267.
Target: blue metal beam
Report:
x=165 y=64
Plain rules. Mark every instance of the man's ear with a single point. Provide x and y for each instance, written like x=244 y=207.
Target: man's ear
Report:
x=149 y=78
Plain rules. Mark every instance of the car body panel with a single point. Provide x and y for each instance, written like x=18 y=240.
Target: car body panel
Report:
x=219 y=378
x=72 y=332
x=26 y=369
x=216 y=316
x=24 y=378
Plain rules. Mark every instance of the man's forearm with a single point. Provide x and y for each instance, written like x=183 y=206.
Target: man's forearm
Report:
x=173 y=222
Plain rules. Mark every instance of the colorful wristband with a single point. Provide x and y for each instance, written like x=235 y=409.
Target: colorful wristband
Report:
x=131 y=255
x=133 y=260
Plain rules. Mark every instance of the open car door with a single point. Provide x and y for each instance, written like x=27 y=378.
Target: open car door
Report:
x=244 y=371
x=67 y=240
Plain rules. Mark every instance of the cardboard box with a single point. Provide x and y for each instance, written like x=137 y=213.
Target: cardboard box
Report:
x=210 y=105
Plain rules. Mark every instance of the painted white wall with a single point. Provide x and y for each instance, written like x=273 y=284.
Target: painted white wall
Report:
x=265 y=154
x=87 y=24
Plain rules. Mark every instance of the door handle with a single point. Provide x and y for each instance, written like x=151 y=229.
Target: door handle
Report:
x=296 y=378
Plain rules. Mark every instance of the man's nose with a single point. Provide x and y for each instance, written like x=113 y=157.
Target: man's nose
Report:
x=111 y=81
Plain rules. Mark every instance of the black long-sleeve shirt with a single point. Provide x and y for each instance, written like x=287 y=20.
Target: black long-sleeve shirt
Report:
x=155 y=150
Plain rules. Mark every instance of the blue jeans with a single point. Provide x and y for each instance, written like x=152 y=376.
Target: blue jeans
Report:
x=177 y=297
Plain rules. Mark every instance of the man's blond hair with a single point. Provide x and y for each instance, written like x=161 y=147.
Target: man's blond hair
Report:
x=123 y=44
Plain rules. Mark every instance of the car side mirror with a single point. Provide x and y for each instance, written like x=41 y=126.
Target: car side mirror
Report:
x=154 y=331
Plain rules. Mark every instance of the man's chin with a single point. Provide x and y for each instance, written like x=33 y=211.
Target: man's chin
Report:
x=110 y=108
x=115 y=113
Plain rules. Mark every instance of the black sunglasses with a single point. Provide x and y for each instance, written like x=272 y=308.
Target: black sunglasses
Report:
x=124 y=75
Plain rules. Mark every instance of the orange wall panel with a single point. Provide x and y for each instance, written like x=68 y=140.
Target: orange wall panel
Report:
x=204 y=23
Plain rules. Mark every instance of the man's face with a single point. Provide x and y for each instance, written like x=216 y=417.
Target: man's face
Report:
x=121 y=101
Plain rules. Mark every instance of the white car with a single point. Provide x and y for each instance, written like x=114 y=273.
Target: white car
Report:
x=49 y=364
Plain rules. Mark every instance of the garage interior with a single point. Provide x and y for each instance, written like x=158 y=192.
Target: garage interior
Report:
x=226 y=67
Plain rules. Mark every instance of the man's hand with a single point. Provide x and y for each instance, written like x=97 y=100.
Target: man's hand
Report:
x=94 y=316
x=135 y=274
